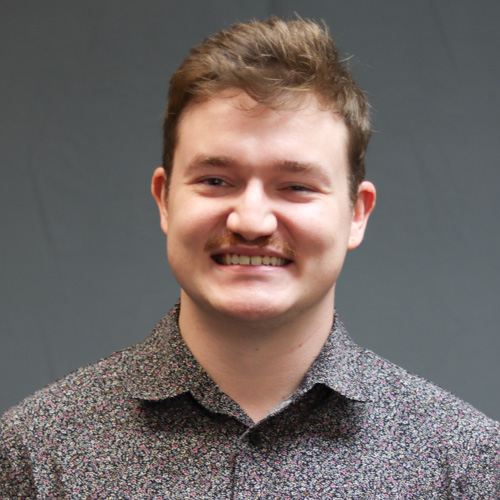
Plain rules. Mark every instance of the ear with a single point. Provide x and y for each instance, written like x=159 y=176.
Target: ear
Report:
x=159 y=191
x=362 y=210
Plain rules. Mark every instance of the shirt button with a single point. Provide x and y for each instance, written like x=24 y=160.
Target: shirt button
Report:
x=255 y=438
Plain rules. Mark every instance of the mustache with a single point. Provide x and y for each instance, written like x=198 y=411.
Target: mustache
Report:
x=233 y=239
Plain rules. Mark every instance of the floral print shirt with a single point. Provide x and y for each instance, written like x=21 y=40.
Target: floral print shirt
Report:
x=148 y=422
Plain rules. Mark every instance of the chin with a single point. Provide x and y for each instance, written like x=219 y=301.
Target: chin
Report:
x=253 y=310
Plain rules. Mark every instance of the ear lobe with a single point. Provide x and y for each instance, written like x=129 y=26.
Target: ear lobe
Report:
x=159 y=192
x=362 y=210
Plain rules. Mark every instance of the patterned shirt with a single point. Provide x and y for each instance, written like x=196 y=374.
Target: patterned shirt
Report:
x=148 y=422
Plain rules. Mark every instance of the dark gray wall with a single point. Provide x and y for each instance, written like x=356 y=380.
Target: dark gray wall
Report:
x=84 y=270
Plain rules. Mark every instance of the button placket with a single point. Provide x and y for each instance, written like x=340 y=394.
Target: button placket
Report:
x=256 y=438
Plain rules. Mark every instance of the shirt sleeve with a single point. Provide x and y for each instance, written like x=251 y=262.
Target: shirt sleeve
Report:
x=475 y=470
x=15 y=467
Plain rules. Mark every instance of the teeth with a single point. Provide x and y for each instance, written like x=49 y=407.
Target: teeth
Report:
x=255 y=260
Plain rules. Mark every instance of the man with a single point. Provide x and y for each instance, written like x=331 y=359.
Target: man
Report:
x=250 y=387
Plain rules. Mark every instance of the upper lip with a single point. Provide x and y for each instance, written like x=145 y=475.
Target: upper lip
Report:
x=251 y=251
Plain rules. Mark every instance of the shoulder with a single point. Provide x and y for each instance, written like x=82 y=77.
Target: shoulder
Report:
x=434 y=423
x=54 y=414
x=413 y=397
x=391 y=390
x=81 y=412
x=108 y=385
x=72 y=400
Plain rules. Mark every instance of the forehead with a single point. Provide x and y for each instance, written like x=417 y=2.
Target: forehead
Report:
x=236 y=126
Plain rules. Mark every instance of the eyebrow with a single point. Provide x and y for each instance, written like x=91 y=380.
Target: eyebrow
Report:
x=200 y=161
x=298 y=167
x=290 y=166
x=287 y=165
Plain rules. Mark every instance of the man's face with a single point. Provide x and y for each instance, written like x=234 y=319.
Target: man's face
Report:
x=258 y=215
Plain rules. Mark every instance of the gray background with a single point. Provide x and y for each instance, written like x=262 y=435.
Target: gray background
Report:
x=84 y=271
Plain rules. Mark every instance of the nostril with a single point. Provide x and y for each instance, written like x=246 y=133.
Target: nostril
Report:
x=252 y=224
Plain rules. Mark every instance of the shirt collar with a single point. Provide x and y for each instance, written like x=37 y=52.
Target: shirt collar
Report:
x=342 y=366
x=163 y=366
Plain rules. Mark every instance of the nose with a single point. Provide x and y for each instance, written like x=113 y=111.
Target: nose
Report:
x=252 y=214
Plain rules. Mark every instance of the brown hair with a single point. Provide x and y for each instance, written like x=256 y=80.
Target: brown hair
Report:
x=276 y=63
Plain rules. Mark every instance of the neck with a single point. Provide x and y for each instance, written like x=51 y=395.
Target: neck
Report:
x=259 y=363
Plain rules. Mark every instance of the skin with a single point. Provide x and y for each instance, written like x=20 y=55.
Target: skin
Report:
x=254 y=182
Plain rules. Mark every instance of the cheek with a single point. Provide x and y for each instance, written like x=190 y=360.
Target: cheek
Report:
x=192 y=223
x=323 y=230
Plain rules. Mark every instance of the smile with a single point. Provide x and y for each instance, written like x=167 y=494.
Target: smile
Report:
x=233 y=259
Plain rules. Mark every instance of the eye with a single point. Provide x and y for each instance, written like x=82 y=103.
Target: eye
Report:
x=214 y=181
x=299 y=188
x=298 y=193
